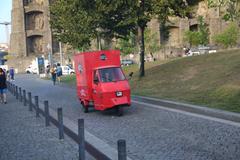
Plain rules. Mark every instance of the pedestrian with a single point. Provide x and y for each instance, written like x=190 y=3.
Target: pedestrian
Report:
x=59 y=72
x=53 y=73
x=47 y=70
x=8 y=75
x=3 y=87
x=11 y=72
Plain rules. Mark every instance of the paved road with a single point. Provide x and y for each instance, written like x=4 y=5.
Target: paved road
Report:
x=25 y=137
x=151 y=133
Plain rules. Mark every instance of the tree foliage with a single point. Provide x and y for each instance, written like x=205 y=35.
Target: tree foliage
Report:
x=203 y=31
x=127 y=45
x=229 y=36
x=232 y=8
x=192 y=37
x=77 y=22
x=151 y=41
x=200 y=37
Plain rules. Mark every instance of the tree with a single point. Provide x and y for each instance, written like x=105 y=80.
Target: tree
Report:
x=203 y=31
x=77 y=22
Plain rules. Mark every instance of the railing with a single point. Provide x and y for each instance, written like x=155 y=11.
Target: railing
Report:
x=26 y=97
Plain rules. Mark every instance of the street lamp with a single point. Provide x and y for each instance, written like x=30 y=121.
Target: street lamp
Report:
x=49 y=49
x=61 y=54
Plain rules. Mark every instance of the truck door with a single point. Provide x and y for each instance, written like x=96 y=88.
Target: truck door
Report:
x=96 y=90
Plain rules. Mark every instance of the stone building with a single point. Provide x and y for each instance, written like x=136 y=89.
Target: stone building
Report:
x=31 y=33
x=176 y=28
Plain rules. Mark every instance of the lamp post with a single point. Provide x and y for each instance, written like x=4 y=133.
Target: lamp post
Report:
x=49 y=49
x=61 y=54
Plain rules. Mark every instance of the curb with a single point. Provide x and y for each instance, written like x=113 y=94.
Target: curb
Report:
x=226 y=115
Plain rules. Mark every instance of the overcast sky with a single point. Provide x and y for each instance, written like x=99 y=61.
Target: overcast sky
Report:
x=5 y=16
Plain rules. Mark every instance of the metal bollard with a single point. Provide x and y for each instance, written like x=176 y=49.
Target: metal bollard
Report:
x=81 y=145
x=16 y=92
x=30 y=101
x=12 y=88
x=122 y=154
x=60 y=123
x=36 y=106
x=24 y=98
x=20 y=94
x=46 y=109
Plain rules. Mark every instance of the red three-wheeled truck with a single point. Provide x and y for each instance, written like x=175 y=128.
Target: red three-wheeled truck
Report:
x=101 y=82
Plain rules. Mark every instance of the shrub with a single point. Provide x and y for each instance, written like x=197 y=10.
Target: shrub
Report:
x=228 y=37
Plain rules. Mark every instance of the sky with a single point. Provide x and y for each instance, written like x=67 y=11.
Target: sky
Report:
x=5 y=16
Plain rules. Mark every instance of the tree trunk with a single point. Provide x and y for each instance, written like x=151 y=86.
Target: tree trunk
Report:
x=142 y=49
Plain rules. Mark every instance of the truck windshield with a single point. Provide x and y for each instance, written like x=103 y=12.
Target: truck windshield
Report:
x=111 y=74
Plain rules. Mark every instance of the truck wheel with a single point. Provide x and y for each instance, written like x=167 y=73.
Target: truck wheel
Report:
x=119 y=110
x=85 y=108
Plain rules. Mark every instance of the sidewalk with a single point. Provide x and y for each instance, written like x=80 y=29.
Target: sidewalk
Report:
x=25 y=137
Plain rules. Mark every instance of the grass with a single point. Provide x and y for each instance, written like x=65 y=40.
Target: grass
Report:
x=69 y=79
x=211 y=80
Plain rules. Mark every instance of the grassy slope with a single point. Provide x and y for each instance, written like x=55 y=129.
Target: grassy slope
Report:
x=212 y=80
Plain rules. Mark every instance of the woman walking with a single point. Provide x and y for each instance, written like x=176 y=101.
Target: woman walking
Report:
x=54 y=74
x=3 y=87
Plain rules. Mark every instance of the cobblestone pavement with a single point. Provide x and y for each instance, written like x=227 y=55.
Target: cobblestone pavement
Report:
x=151 y=133
x=25 y=137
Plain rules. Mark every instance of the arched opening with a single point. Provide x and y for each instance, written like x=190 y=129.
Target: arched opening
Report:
x=35 y=45
x=194 y=27
x=173 y=36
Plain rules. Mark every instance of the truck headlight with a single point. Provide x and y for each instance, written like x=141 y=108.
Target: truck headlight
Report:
x=119 y=94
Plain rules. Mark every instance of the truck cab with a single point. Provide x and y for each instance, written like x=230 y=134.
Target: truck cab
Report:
x=101 y=82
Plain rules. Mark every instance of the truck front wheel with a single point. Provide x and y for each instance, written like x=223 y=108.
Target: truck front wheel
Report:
x=85 y=107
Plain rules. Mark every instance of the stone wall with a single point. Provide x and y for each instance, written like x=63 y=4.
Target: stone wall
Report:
x=31 y=31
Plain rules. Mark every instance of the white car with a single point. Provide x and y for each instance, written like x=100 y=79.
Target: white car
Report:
x=31 y=70
x=66 y=70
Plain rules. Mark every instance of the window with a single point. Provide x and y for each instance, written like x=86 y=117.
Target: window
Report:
x=111 y=74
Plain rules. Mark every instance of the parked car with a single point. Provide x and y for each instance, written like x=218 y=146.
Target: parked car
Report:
x=31 y=70
x=126 y=62
x=66 y=70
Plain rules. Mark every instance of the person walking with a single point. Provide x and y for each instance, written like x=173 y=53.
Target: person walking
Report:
x=3 y=87
x=59 y=72
x=54 y=74
x=11 y=72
